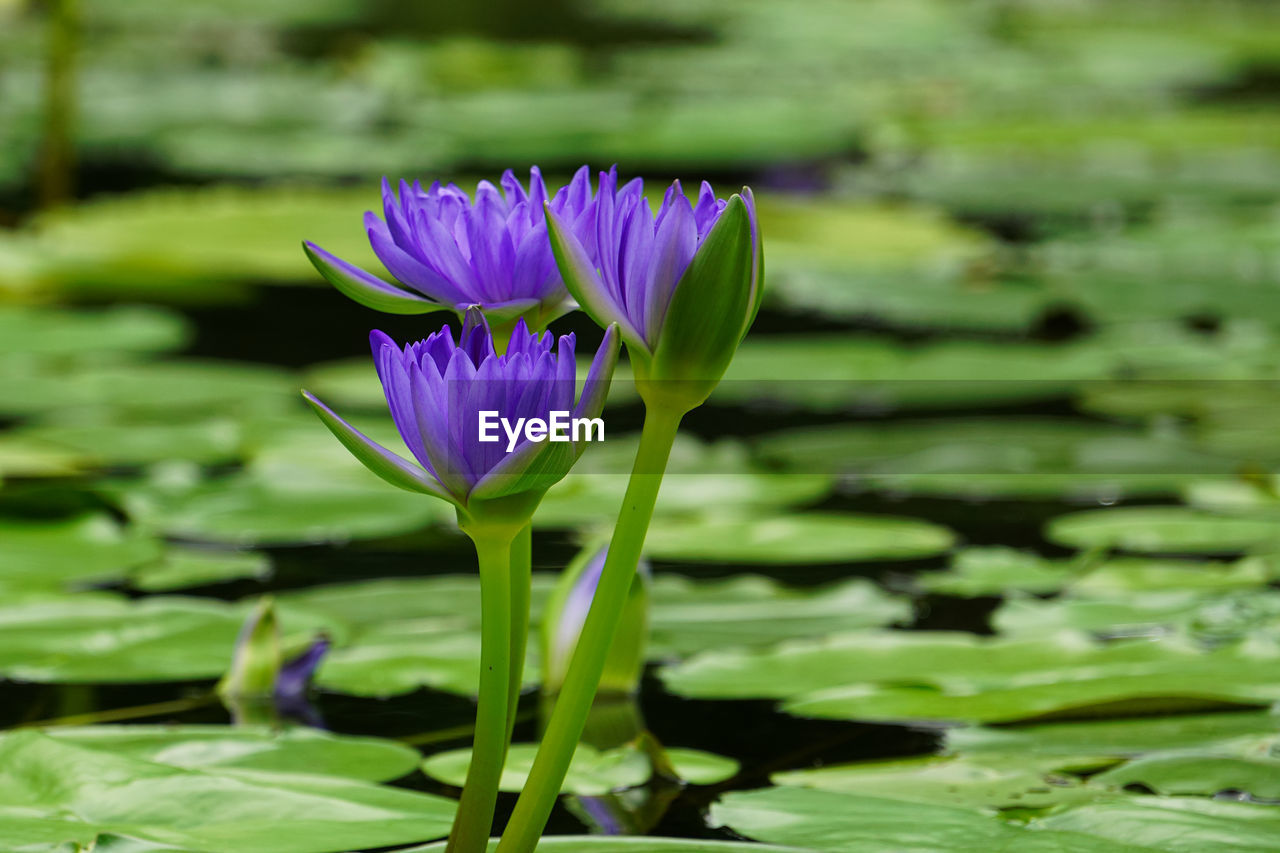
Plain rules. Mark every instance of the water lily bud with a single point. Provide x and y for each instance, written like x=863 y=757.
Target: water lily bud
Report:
x=684 y=286
x=566 y=611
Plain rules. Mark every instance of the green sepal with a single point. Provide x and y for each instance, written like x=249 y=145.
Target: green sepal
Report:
x=710 y=310
x=389 y=466
x=257 y=659
x=369 y=290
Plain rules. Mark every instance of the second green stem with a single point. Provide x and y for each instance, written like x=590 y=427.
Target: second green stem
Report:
x=583 y=676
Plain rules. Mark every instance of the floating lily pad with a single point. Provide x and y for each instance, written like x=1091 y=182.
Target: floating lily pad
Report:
x=27 y=457
x=698 y=476
x=81 y=335
x=690 y=616
x=1257 y=775
x=1162 y=530
x=988 y=781
x=294 y=750
x=944 y=677
x=105 y=441
x=101 y=638
x=80 y=551
x=997 y=571
x=186 y=567
x=401 y=634
x=802 y=538
x=168 y=389
x=827 y=820
x=220 y=810
x=631 y=844
x=242 y=509
x=990 y=457
x=592 y=772
x=1119 y=738
x=1174 y=824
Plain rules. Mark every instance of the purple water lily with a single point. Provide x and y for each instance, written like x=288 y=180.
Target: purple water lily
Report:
x=701 y=257
x=437 y=389
x=450 y=251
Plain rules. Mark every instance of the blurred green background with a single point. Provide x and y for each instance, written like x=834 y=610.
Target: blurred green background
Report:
x=1013 y=390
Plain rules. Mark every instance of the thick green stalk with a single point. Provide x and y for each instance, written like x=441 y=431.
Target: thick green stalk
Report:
x=57 y=154
x=474 y=820
x=521 y=581
x=583 y=676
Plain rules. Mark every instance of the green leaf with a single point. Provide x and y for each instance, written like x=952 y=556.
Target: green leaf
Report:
x=293 y=750
x=633 y=844
x=394 y=469
x=369 y=290
x=182 y=567
x=1162 y=530
x=826 y=820
x=592 y=772
x=797 y=538
x=1175 y=825
x=76 y=792
x=1257 y=775
x=79 y=551
x=83 y=335
x=950 y=677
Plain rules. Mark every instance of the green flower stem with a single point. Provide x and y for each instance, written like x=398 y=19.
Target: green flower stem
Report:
x=474 y=820
x=583 y=677
x=521 y=582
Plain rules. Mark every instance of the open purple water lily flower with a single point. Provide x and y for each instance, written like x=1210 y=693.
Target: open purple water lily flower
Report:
x=437 y=389
x=684 y=286
x=449 y=251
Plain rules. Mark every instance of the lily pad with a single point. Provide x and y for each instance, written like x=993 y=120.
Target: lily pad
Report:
x=698 y=476
x=82 y=335
x=182 y=567
x=1174 y=824
x=827 y=820
x=106 y=441
x=1257 y=775
x=591 y=772
x=220 y=810
x=631 y=844
x=943 y=677
x=1117 y=738
x=689 y=616
x=997 y=458
x=986 y=781
x=796 y=538
x=79 y=551
x=997 y=571
x=99 y=638
x=294 y=750
x=1162 y=530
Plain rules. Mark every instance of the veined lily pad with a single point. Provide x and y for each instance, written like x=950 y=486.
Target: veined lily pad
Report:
x=295 y=750
x=83 y=550
x=690 y=616
x=220 y=810
x=942 y=677
x=103 y=440
x=1005 y=458
x=81 y=335
x=1163 y=530
x=827 y=820
x=698 y=476
x=100 y=638
x=986 y=781
x=798 y=538
x=632 y=844
x=182 y=567
x=592 y=771
x=1173 y=824
x=1257 y=774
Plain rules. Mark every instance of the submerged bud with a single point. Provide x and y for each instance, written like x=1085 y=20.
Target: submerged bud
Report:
x=566 y=611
